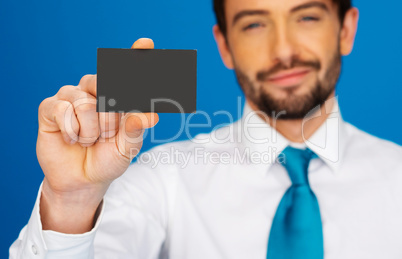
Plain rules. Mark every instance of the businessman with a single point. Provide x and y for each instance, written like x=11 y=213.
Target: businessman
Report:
x=329 y=190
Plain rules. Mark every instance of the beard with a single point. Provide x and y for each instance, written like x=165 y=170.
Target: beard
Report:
x=294 y=106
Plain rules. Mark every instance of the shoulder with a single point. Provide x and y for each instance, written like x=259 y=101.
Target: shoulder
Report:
x=372 y=150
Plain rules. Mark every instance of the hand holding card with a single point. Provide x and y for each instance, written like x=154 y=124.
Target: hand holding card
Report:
x=82 y=151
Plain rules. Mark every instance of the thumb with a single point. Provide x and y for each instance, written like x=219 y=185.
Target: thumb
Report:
x=131 y=131
x=143 y=43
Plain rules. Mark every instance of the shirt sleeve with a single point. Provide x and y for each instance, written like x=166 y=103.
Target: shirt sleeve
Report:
x=35 y=243
x=132 y=223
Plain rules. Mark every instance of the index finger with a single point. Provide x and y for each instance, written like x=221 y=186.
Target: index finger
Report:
x=88 y=84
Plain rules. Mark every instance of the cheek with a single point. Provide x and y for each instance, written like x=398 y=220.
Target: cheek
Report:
x=251 y=56
x=319 y=46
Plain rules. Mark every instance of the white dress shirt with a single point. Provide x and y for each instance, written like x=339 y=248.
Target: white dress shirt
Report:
x=214 y=197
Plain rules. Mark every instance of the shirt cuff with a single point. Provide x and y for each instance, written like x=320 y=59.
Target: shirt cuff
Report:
x=51 y=244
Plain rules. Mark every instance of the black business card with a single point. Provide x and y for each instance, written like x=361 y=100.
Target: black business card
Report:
x=146 y=80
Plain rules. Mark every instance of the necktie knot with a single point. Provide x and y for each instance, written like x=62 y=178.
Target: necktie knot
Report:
x=296 y=162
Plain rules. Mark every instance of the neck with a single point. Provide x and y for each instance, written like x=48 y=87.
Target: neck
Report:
x=298 y=130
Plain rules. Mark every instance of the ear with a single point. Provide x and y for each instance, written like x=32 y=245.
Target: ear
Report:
x=348 y=31
x=223 y=47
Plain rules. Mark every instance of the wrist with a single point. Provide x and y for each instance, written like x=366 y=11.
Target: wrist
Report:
x=72 y=212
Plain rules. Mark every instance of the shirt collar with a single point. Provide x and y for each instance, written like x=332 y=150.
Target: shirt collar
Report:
x=328 y=141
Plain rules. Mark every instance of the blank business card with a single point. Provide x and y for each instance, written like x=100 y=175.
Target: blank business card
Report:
x=146 y=80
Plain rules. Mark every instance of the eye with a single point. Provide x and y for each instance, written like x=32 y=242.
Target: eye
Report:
x=309 y=19
x=252 y=26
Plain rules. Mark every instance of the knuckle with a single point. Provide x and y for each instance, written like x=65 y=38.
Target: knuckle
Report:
x=44 y=104
x=85 y=79
x=85 y=107
x=81 y=98
x=61 y=107
x=65 y=90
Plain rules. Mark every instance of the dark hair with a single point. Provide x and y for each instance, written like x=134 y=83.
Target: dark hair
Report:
x=219 y=8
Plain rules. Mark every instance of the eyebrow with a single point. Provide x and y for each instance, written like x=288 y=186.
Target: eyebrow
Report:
x=244 y=13
x=320 y=5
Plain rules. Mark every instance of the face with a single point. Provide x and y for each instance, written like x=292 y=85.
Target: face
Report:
x=286 y=54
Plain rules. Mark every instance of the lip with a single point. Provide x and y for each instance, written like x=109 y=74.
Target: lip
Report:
x=290 y=77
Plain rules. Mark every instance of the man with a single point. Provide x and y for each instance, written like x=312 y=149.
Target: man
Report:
x=328 y=191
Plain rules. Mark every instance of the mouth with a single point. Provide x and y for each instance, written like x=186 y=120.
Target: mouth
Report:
x=289 y=78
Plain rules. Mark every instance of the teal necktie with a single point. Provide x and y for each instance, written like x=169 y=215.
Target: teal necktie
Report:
x=296 y=230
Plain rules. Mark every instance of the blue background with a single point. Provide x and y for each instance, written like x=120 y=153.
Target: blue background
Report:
x=47 y=44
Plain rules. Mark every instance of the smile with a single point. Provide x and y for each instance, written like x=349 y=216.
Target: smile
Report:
x=289 y=77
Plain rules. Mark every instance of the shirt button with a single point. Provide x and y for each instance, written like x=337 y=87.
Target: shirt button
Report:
x=34 y=249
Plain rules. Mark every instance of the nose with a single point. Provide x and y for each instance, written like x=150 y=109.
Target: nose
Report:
x=283 y=46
